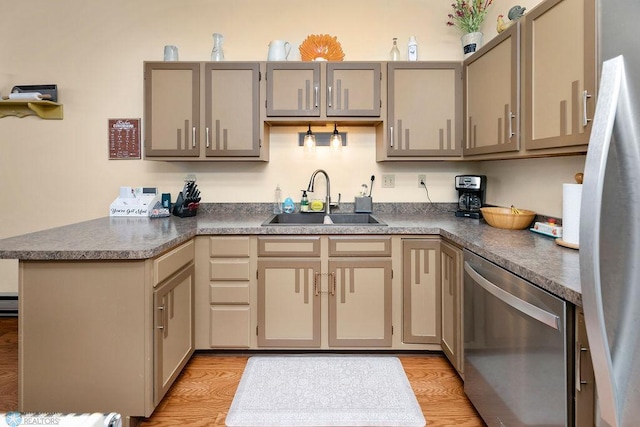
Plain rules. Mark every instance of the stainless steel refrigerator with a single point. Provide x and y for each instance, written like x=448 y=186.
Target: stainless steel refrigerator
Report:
x=610 y=218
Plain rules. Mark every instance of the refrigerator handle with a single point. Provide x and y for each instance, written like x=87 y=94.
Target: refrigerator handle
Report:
x=591 y=208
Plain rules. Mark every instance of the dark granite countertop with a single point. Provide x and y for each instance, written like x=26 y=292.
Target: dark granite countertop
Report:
x=529 y=255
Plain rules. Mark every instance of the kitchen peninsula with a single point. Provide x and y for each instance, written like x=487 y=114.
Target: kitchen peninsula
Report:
x=90 y=293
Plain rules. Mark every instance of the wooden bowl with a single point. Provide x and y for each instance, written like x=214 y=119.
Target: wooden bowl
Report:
x=505 y=218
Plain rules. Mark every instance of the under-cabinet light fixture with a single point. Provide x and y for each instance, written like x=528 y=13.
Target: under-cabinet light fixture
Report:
x=322 y=139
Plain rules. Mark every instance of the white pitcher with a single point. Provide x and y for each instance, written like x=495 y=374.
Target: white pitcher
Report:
x=278 y=50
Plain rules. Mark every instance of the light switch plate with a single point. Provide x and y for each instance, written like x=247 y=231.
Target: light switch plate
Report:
x=388 y=180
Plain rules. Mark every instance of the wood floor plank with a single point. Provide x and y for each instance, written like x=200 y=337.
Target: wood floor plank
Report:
x=202 y=394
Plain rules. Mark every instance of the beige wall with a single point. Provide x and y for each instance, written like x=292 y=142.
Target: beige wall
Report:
x=57 y=172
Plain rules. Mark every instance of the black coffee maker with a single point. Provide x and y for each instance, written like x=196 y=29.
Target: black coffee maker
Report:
x=471 y=195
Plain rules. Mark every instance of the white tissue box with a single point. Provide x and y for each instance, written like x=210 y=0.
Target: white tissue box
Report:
x=548 y=229
x=137 y=202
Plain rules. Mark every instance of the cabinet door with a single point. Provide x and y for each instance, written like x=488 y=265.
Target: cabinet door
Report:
x=492 y=82
x=360 y=303
x=174 y=332
x=560 y=74
x=293 y=89
x=353 y=89
x=424 y=109
x=171 y=109
x=232 y=102
x=288 y=303
x=451 y=280
x=421 y=291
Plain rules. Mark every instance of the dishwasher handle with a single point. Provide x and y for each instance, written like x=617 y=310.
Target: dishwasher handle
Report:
x=521 y=305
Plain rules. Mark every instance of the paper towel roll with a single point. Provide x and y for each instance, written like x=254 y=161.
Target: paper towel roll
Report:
x=26 y=96
x=571 y=201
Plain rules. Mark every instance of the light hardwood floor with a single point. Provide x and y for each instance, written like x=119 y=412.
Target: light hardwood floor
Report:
x=203 y=393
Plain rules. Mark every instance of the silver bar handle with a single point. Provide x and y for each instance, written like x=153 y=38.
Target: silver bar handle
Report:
x=391 y=136
x=585 y=96
x=193 y=137
x=316 y=288
x=511 y=117
x=207 y=137
x=522 y=306
x=315 y=88
x=330 y=98
x=332 y=279
x=161 y=323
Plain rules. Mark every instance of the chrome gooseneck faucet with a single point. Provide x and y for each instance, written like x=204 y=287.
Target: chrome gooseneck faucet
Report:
x=327 y=202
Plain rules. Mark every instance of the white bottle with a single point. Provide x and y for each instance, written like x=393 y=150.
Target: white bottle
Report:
x=277 y=201
x=412 y=49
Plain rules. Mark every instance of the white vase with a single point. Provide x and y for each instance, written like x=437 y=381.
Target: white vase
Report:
x=471 y=42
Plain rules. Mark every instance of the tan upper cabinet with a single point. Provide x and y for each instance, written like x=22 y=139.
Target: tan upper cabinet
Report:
x=323 y=91
x=560 y=74
x=232 y=109
x=424 y=111
x=491 y=95
x=171 y=109
x=203 y=111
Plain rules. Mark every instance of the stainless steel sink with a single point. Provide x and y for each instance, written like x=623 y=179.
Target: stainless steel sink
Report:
x=317 y=218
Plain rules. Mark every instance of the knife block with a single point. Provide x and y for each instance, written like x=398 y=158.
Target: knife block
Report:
x=184 y=208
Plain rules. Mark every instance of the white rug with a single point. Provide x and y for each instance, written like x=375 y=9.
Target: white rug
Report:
x=324 y=391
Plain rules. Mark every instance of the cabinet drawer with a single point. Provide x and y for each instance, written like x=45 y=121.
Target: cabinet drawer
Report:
x=360 y=246
x=172 y=261
x=229 y=293
x=229 y=269
x=226 y=247
x=288 y=246
x=230 y=326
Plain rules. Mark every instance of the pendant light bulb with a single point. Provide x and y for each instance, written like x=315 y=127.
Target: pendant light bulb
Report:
x=336 y=138
x=309 y=140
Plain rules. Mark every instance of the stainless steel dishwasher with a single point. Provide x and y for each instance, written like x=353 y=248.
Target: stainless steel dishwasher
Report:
x=518 y=348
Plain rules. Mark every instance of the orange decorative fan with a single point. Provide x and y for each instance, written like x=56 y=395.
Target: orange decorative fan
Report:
x=318 y=47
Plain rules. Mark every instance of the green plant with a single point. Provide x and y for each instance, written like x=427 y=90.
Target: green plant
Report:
x=468 y=15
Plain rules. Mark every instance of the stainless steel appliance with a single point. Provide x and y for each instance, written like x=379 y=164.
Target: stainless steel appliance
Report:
x=518 y=351
x=610 y=219
x=471 y=195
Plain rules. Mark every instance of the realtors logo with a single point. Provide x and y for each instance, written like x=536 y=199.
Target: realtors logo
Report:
x=13 y=419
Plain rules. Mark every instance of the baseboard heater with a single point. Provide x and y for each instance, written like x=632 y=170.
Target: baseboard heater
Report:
x=8 y=305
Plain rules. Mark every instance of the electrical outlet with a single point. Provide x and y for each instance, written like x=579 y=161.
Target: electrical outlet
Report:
x=422 y=178
x=388 y=180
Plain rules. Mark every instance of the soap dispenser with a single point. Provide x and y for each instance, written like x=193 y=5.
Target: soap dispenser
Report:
x=304 y=203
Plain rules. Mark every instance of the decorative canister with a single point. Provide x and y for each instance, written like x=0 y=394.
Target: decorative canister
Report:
x=471 y=42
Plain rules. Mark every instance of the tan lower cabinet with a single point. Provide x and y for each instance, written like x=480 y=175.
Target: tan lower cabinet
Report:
x=174 y=333
x=421 y=291
x=288 y=303
x=585 y=386
x=324 y=292
x=226 y=276
x=99 y=323
x=451 y=280
x=360 y=303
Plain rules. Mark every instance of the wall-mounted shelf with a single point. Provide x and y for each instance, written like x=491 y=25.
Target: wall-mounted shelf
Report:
x=42 y=109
